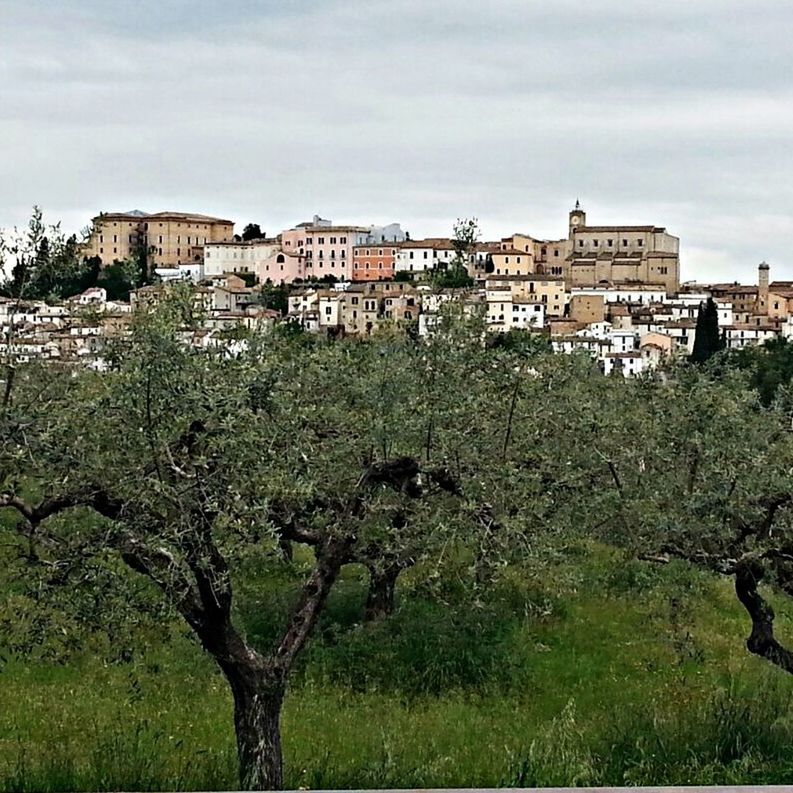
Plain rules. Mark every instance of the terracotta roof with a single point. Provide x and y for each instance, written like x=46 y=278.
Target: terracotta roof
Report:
x=512 y=252
x=653 y=229
x=429 y=242
x=186 y=216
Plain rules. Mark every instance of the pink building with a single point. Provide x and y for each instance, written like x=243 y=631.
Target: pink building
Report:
x=322 y=248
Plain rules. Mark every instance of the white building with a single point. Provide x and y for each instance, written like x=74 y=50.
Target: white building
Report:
x=643 y=295
x=420 y=256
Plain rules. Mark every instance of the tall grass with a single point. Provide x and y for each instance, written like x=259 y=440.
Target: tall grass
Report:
x=604 y=672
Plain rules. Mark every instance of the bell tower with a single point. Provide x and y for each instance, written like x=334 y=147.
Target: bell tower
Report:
x=577 y=218
x=763 y=272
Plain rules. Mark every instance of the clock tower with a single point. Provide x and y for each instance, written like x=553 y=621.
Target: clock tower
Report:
x=577 y=218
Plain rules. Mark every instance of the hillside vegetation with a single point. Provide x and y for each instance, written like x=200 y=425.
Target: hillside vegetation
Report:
x=201 y=550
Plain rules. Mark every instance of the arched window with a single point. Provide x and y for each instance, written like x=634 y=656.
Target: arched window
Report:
x=280 y=259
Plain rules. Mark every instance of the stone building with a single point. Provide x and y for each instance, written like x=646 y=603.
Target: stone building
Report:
x=169 y=238
x=596 y=255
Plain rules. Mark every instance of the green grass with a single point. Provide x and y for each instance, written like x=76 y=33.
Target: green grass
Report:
x=602 y=671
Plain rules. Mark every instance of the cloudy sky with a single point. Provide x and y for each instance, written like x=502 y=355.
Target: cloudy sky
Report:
x=674 y=112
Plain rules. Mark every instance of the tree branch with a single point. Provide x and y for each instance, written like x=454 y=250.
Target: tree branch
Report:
x=329 y=559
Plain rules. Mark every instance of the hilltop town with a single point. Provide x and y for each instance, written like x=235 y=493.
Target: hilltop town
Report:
x=613 y=291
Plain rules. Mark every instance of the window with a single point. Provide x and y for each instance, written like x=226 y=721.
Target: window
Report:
x=625 y=243
x=343 y=240
x=611 y=243
x=332 y=240
x=580 y=243
x=321 y=240
x=640 y=243
x=596 y=243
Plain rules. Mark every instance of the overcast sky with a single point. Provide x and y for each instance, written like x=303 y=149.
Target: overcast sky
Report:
x=673 y=112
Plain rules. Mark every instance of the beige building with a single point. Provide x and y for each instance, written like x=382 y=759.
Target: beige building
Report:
x=587 y=308
x=547 y=290
x=620 y=254
x=366 y=306
x=595 y=255
x=170 y=238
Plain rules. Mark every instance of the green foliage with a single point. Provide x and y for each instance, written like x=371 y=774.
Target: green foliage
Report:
x=43 y=264
x=522 y=342
x=769 y=365
x=453 y=277
x=252 y=232
x=275 y=296
x=119 y=279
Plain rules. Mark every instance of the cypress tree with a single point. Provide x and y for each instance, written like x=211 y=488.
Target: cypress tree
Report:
x=707 y=340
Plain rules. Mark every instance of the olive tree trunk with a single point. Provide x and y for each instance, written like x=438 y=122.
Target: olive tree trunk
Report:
x=257 y=724
x=380 y=598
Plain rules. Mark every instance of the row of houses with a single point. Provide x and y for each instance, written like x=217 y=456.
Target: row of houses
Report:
x=628 y=329
x=183 y=245
x=82 y=330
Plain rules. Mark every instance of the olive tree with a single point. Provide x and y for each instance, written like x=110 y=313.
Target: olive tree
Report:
x=193 y=461
x=693 y=466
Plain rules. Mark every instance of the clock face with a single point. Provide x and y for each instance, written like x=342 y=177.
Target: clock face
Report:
x=575 y=220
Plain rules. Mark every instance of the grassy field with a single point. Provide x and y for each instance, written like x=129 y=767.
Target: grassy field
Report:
x=602 y=671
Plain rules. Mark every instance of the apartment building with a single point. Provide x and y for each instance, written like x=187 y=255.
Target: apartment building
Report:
x=545 y=290
x=323 y=248
x=374 y=262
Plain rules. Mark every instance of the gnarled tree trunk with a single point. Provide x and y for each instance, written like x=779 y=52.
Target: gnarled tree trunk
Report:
x=257 y=715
